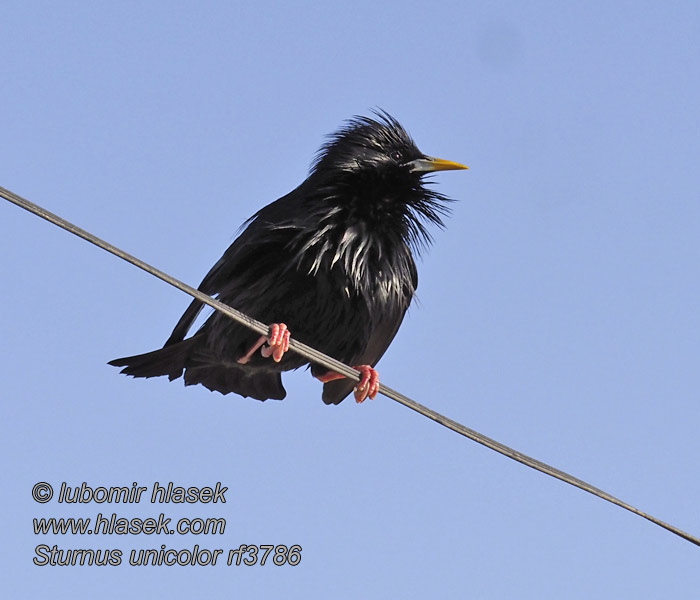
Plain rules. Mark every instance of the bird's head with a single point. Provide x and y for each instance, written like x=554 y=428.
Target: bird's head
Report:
x=374 y=148
x=368 y=177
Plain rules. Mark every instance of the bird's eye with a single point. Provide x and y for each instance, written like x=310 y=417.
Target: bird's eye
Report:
x=397 y=155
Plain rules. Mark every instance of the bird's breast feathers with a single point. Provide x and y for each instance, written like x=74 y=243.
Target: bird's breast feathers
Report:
x=361 y=262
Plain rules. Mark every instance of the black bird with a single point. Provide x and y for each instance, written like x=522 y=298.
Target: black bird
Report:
x=333 y=260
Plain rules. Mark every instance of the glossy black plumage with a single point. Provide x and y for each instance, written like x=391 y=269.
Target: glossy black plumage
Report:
x=333 y=259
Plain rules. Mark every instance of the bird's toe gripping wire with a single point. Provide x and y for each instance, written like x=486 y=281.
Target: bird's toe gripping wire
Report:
x=277 y=344
x=366 y=388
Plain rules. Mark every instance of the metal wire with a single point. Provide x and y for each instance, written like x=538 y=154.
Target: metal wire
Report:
x=330 y=363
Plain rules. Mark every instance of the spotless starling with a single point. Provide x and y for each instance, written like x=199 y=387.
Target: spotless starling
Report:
x=332 y=262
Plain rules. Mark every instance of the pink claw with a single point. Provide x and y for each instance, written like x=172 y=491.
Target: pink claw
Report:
x=277 y=344
x=368 y=387
x=369 y=384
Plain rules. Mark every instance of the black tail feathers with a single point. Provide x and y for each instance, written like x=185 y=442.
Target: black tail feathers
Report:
x=169 y=361
x=174 y=359
x=246 y=381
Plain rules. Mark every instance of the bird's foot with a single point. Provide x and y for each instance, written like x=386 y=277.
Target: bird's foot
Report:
x=369 y=384
x=367 y=387
x=277 y=344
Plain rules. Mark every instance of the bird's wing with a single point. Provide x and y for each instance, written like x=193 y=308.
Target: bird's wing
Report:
x=265 y=232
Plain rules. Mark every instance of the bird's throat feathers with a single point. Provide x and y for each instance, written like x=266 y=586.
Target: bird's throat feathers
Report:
x=370 y=238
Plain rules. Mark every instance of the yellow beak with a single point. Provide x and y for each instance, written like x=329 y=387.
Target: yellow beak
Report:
x=428 y=164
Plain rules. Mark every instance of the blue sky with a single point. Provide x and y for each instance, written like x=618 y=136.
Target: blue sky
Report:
x=557 y=313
